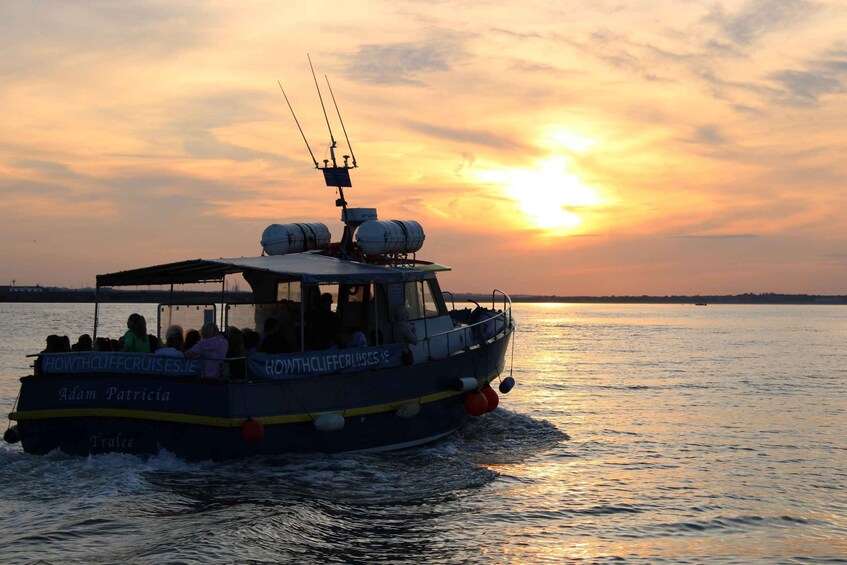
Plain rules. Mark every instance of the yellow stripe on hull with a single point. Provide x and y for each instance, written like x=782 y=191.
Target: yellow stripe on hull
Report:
x=213 y=421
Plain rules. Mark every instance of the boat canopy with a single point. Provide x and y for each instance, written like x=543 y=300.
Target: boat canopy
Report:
x=308 y=268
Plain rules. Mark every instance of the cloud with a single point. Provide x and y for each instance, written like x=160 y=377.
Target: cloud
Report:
x=803 y=88
x=476 y=137
x=718 y=236
x=709 y=135
x=818 y=77
x=204 y=145
x=49 y=168
x=405 y=63
x=759 y=17
x=37 y=38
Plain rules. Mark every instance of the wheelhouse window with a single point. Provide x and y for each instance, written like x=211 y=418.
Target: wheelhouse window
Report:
x=424 y=300
x=288 y=291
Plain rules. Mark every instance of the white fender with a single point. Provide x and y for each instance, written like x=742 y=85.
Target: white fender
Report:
x=329 y=422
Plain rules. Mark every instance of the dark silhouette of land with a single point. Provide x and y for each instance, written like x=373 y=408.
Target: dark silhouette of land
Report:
x=57 y=294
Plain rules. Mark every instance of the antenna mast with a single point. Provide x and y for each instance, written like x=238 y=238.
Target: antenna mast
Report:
x=334 y=175
x=342 y=125
x=298 y=125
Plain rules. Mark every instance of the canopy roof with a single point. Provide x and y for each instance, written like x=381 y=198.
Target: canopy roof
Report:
x=309 y=268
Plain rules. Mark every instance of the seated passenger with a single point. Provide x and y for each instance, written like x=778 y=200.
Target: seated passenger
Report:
x=174 y=342
x=211 y=347
x=154 y=342
x=251 y=341
x=403 y=333
x=275 y=343
x=135 y=338
x=236 y=353
x=191 y=339
x=358 y=339
x=54 y=344
x=323 y=325
x=102 y=344
x=83 y=343
x=268 y=328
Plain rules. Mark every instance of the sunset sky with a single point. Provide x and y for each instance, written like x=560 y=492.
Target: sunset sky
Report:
x=591 y=148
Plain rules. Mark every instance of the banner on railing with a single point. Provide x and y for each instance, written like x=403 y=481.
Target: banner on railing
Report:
x=122 y=363
x=324 y=362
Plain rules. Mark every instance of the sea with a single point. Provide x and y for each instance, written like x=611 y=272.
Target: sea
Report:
x=635 y=434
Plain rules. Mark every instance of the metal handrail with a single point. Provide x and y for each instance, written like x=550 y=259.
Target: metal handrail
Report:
x=444 y=293
x=505 y=314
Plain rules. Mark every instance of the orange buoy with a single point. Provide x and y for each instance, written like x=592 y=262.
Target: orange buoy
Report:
x=491 y=397
x=252 y=430
x=476 y=404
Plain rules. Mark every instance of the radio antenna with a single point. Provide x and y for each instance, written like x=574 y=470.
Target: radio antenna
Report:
x=315 y=161
x=321 y=98
x=350 y=147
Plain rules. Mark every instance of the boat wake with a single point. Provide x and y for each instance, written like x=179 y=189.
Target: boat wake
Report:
x=446 y=468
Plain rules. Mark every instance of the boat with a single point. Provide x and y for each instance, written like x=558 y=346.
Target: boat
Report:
x=391 y=392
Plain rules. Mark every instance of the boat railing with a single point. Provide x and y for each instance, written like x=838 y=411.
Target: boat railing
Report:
x=447 y=293
x=506 y=302
x=499 y=323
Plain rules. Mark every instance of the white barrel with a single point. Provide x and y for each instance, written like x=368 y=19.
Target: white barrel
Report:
x=377 y=237
x=279 y=239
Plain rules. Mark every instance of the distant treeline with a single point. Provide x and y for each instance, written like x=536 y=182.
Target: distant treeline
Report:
x=50 y=294
x=746 y=298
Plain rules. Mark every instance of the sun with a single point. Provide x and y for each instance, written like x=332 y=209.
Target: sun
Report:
x=549 y=195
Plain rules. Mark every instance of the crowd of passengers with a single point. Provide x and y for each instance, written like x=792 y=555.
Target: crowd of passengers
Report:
x=225 y=354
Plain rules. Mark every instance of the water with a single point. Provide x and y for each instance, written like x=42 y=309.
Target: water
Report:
x=698 y=435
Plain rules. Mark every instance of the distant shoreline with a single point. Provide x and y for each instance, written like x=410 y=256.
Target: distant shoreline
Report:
x=108 y=295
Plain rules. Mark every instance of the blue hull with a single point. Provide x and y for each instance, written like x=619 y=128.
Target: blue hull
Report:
x=200 y=419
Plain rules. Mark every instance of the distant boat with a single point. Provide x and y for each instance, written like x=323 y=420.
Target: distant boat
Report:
x=700 y=304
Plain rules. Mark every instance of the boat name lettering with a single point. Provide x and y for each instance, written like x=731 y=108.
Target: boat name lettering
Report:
x=98 y=441
x=148 y=395
x=96 y=362
x=76 y=393
x=113 y=393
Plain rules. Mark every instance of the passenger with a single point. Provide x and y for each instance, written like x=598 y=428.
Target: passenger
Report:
x=174 y=343
x=54 y=344
x=323 y=325
x=102 y=344
x=287 y=323
x=191 y=339
x=135 y=338
x=403 y=333
x=268 y=328
x=212 y=347
x=275 y=343
x=251 y=340
x=66 y=343
x=358 y=339
x=236 y=353
x=83 y=343
x=154 y=342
